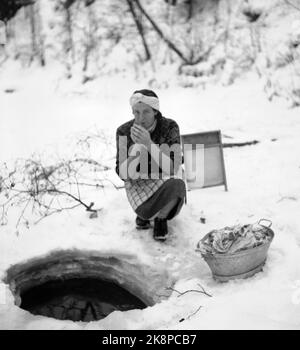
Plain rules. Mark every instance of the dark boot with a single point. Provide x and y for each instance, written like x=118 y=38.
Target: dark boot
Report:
x=160 y=231
x=142 y=224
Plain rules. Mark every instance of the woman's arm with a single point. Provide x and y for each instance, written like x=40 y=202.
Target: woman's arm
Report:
x=167 y=157
x=126 y=165
x=130 y=168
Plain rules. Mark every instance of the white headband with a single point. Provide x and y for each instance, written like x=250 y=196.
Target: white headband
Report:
x=151 y=101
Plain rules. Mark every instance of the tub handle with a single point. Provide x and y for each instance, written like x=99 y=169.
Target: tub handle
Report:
x=269 y=221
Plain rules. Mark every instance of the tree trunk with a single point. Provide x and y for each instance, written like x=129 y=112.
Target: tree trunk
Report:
x=191 y=9
x=227 y=29
x=33 y=33
x=140 y=29
x=89 y=40
x=41 y=46
x=70 y=47
x=170 y=44
x=6 y=30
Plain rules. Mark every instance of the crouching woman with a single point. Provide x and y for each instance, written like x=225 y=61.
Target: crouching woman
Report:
x=149 y=160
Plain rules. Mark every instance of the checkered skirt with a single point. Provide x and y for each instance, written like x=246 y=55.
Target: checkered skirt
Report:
x=140 y=190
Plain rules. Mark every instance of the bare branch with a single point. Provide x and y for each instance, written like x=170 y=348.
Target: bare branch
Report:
x=22 y=213
x=139 y=28
x=202 y=291
x=292 y=4
x=194 y=313
x=49 y=188
x=171 y=45
x=55 y=212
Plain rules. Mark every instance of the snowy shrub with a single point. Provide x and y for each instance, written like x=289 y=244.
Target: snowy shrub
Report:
x=43 y=185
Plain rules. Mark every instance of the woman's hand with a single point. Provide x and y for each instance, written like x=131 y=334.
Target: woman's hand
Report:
x=140 y=135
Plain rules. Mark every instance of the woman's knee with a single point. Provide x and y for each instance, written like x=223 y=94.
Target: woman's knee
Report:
x=164 y=212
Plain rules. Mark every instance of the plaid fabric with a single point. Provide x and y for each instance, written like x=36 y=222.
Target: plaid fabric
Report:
x=140 y=190
x=165 y=132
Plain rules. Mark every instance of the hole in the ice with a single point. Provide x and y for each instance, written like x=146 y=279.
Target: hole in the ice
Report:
x=78 y=299
x=85 y=285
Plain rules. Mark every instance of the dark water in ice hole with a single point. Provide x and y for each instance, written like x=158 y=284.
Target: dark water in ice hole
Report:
x=80 y=299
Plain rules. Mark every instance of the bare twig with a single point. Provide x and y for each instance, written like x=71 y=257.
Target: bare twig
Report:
x=240 y=144
x=191 y=315
x=32 y=182
x=55 y=212
x=194 y=313
x=190 y=291
x=292 y=4
x=292 y=198
x=22 y=213
x=204 y=291
x=86 y=184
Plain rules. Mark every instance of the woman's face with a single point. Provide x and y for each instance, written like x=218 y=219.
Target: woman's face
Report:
x=144 y=115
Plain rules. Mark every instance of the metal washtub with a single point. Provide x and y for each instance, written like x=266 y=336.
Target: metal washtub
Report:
x=241 y=264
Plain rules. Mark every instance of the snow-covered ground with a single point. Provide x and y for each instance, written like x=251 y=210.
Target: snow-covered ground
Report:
x=263 y=182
